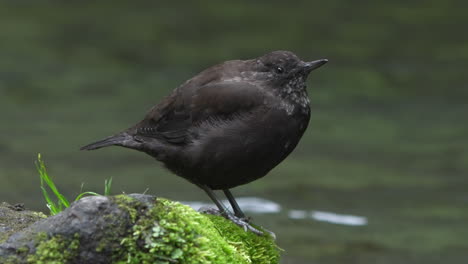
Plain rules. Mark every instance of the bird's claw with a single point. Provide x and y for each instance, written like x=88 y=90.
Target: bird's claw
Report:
x=241 y=222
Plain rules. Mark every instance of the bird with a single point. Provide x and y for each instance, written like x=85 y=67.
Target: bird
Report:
x=227 y=126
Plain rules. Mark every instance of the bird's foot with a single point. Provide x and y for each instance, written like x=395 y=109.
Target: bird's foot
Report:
x=245 y=218
x=241 y=222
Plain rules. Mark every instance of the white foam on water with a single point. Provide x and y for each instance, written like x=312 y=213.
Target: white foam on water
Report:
x=341 y=219
x=258 y=205
x=264 y=206
x=297 y=214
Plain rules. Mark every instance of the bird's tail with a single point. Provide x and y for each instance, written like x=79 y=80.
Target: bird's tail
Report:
x=110 y=141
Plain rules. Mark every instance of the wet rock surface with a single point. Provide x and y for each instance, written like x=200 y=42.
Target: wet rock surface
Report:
x=14 y=218
x=130 y=229
x=89 y=220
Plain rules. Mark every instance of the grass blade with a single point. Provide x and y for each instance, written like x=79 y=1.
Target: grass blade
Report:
x=45 y=178
x=62 y=202
x=86 y=193
x=107 y=186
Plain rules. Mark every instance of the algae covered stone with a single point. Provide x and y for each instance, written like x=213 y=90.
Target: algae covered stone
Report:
x=136 y=229
x=14 y=218
x=175 y=233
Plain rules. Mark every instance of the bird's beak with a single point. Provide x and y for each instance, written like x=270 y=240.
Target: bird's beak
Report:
x=312 y=65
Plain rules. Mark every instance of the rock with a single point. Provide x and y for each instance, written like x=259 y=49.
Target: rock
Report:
x=14 y=218
x=135 y=229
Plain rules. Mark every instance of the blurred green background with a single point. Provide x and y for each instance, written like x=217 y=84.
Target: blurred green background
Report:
x=388 y=138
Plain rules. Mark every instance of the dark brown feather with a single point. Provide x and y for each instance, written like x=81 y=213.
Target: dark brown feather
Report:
x=230 y=124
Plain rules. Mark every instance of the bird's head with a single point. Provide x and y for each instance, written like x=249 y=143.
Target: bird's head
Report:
x=284 y=68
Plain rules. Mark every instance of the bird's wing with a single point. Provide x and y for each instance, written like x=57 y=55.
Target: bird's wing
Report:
x=211 y=102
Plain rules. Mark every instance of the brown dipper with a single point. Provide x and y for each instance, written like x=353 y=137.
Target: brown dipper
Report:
x=227 y=126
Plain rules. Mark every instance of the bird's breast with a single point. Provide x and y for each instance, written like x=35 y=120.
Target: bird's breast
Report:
x=268 y=134
x=227 y=153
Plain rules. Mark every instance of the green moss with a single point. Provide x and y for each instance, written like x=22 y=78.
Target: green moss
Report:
x=129 y=204
x=174 y=233
x=39 y=214
x=117 y=228
x=259 y=249
x=54 y=250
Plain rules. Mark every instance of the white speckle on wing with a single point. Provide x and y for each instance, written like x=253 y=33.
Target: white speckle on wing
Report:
x=234 y=79
x=255 y=76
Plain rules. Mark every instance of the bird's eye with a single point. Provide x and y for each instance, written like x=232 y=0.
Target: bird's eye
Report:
x=279 y=70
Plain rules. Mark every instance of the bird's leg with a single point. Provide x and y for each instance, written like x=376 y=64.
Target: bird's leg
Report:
x=227 y=214
x=222 y=209
x=237 y=211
